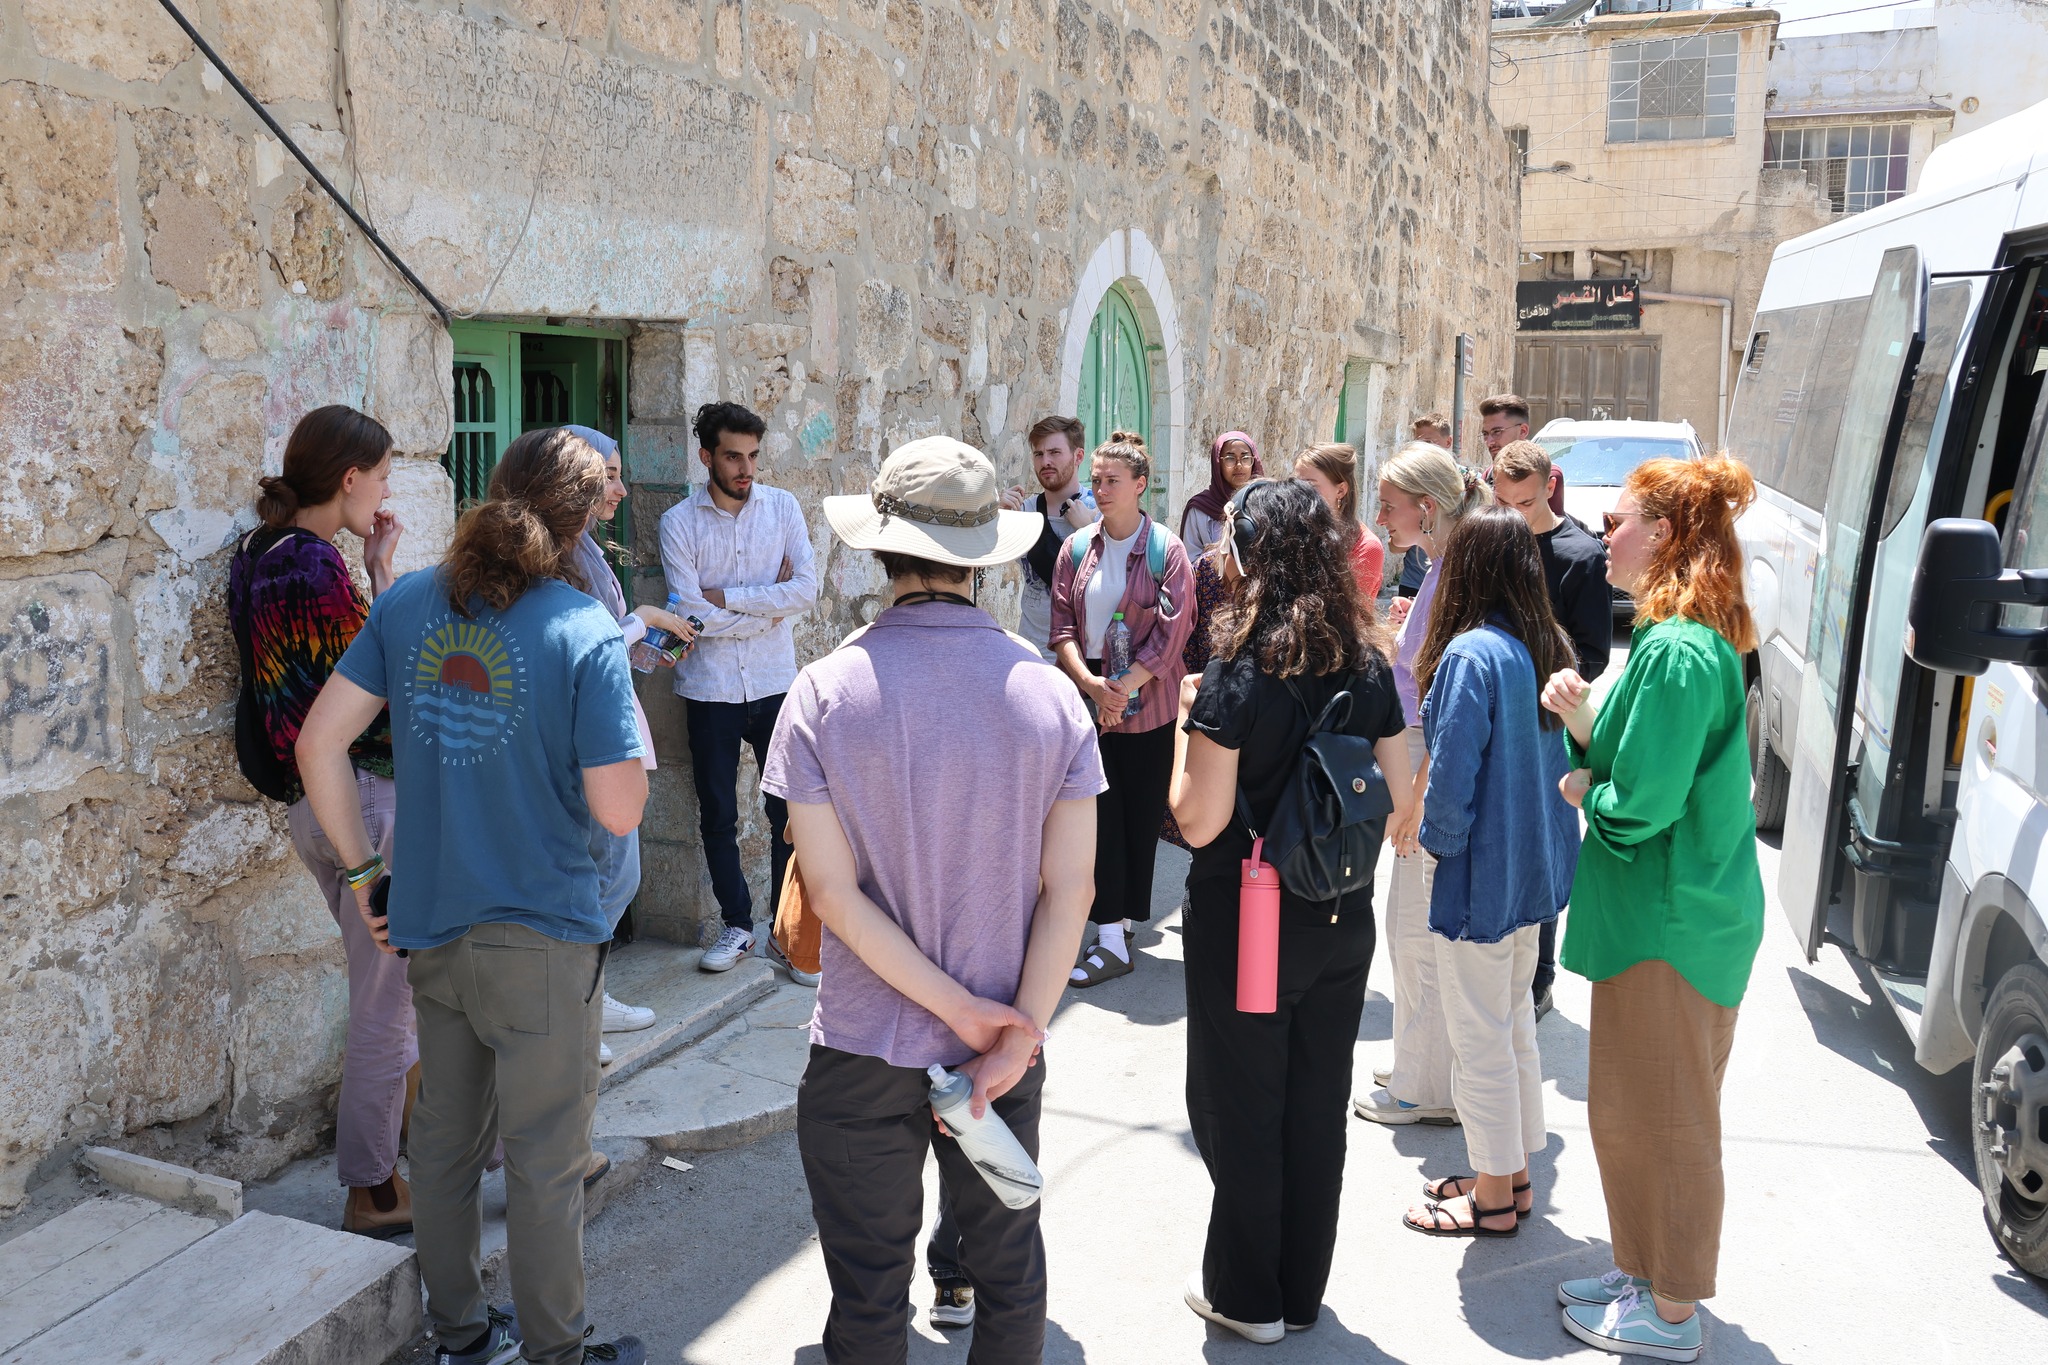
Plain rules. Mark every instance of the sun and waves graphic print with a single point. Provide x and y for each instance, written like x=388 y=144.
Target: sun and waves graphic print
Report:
x=468 y=688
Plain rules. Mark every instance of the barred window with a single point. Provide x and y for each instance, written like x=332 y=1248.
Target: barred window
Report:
x=1858 y=166
x=1672 y=88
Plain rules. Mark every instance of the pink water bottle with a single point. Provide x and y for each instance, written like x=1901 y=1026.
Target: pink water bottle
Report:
x=1258 y=933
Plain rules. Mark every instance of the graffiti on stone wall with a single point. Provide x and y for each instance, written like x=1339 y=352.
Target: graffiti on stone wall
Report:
x=60 y=711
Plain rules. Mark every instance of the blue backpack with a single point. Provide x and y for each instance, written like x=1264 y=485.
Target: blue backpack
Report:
x=1155 y=548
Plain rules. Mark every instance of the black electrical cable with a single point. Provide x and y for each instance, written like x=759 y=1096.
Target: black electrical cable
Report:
x=249 y=99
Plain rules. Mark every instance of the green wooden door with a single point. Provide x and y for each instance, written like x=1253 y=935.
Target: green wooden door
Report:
x=1116 y=384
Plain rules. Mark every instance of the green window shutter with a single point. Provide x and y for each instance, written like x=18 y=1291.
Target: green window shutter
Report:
x=486 y=383
x=1116 y=383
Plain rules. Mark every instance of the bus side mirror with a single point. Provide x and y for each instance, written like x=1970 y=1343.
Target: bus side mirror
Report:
x=1952 y=618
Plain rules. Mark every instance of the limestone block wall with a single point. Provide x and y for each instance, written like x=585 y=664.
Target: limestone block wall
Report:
x=870 y=219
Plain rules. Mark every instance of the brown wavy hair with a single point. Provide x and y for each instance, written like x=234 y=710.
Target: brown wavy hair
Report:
x=1697 y=570
x=325 y=445
x=1337 y=461
x=1492 y=571
x=1127 y=448
x=1296 y=607
x=541 y=496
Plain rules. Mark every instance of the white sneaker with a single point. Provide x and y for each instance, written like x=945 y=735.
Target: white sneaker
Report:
x=781 y=959
x=620 y=1018
x=604 y=1054
x=1381 y=1107
x=733 y=944
x=1382 y=1074
x=1264 y=1333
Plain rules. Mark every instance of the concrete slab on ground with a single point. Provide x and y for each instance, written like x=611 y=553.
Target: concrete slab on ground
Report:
x=263 y=1288
x=687 y=1003
x=79 y=1257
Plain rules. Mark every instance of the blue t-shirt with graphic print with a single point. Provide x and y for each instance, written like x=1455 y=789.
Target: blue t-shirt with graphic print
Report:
x=494 y=716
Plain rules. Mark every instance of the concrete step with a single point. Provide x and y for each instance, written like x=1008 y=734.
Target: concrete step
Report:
x=736 y=1085
x=79 y=1257
x=261 y=1291
x=687 y=1003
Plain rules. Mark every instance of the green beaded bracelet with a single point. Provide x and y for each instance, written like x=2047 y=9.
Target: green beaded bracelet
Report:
x=360 y=877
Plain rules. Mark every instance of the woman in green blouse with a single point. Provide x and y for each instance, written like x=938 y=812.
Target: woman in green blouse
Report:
x=1667 y=907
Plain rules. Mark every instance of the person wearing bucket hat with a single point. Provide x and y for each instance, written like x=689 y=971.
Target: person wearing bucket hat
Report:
x=953 y=882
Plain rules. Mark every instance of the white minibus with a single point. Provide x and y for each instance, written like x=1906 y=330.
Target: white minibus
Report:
x=1892 y=381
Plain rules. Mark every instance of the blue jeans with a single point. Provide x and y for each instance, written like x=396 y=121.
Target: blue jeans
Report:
x=717 y=729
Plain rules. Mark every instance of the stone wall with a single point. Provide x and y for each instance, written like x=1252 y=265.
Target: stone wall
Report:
x=871 y=219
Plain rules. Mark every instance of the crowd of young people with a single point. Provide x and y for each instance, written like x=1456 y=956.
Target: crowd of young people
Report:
x=466 y=761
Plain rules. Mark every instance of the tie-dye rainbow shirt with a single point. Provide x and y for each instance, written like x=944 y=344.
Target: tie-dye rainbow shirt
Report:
x=301 y=609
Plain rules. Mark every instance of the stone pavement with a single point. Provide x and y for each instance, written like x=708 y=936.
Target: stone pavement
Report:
x=1854 y=1233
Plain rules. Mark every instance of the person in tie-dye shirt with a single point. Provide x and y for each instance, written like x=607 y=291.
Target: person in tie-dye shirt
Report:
x=295 y=607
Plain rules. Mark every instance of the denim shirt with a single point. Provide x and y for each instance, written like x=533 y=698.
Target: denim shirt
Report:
x=1505 y=840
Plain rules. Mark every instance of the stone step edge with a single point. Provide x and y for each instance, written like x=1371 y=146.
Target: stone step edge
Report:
x=672 y=1036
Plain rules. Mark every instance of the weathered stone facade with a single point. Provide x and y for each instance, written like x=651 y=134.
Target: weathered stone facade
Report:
x=871 y=219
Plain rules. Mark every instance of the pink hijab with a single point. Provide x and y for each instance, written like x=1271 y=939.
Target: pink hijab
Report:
x=1209 y=502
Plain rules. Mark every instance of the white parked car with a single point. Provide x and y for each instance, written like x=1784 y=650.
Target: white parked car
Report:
x=1596 y=458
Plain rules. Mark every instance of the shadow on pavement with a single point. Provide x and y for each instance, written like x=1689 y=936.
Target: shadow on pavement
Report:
x=1562 y=1043
x=1329 y=1338
x=1867 y=1033
x=2023 y=1288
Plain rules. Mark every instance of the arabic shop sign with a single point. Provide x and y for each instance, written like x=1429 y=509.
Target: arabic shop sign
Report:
x=1578 y=306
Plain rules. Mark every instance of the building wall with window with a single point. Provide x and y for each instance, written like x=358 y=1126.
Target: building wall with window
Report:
x=1855 y=114
x=1645 y=137
x=871 y=219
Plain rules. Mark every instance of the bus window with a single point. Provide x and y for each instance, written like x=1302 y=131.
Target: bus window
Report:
x=1770 y=396
x=1811 y=455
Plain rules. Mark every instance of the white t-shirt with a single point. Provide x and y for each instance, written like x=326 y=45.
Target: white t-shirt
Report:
x=1104 y=596
x=1034 y=612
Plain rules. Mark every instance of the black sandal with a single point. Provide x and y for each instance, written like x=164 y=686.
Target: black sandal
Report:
x=1434 y=1190
x=1437 y=1212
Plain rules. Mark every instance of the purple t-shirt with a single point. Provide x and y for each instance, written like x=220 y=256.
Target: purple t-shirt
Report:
x=1409 y=644
x=941 y=742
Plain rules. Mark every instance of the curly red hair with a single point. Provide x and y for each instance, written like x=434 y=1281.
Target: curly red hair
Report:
x=1697 y=571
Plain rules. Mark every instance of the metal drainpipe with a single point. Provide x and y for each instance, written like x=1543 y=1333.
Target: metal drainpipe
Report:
x=1727 y=307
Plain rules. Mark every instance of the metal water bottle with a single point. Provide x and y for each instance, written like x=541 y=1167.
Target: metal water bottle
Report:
x=987 y=1141
x=1258 y=933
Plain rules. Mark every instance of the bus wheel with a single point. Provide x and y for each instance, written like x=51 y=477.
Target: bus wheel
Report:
x=1770 y=783
x=2011 y=1104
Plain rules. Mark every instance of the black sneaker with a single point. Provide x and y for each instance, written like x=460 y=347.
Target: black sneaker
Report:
x=954 y=1307
x=1544 y=1004
x=500 y=1344
x=623 y=1351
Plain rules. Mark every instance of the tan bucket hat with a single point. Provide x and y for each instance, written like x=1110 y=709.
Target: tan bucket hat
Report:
x=935 y=498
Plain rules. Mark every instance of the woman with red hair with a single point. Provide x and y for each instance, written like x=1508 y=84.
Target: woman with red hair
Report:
x=1667 y=906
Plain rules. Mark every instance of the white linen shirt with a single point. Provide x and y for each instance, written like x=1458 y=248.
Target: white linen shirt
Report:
x=747 y=649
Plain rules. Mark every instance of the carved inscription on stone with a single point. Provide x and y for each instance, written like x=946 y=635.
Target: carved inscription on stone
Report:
x=60 y=704
x=457 y=117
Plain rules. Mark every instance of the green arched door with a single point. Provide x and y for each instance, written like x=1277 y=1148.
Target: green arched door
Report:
x=1116 y=384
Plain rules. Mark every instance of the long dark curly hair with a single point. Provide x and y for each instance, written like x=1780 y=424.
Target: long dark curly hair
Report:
x=1492 y=570
x=1295 y=606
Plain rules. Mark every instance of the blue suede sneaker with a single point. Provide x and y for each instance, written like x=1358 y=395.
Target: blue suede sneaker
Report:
x=1601 y=1292
x=1630 y=1327
x=500 y=1345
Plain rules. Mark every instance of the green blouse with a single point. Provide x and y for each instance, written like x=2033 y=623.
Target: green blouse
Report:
x=1668 y=870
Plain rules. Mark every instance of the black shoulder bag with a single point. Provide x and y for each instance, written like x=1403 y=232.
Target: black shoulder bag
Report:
x=1324 y=837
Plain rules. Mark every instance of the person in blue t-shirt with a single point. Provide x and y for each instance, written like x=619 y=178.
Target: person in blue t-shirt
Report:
x=512 y=732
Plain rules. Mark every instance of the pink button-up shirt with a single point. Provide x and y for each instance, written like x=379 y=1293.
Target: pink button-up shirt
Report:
x=1159 y=622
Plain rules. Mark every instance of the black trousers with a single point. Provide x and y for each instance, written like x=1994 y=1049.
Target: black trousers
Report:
x=1269 y=1101
x=1138 y=768
x=717 y=729
x=862 y=1128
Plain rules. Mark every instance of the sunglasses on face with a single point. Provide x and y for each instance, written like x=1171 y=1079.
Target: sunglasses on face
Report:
x=1610 y=520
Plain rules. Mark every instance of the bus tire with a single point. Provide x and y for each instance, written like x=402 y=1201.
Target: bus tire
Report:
x=1770 y=781
x=2010 y=1115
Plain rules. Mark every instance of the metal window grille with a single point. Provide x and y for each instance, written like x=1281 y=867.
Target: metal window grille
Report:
x=1672 y=88
x=1857 y=166
x=473 y=452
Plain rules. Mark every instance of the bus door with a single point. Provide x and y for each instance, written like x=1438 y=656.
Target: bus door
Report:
x=1866 y=450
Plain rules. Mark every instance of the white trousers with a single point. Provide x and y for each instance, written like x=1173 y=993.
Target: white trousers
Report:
x=1422 y=1049
x=1495 y=1071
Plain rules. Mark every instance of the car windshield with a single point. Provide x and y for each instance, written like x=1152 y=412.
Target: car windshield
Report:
x=1605 y=461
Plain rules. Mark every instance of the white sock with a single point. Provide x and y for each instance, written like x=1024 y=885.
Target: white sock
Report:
x=1111 y=939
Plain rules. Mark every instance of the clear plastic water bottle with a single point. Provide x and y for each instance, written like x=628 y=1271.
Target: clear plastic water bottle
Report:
x=1116 y=657
x=653 y=648
x=987 y=1141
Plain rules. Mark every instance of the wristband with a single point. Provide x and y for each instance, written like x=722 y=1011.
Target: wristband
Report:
x=360 y=877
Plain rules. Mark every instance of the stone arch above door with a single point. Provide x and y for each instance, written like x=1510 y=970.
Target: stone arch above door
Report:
x=1128 y=259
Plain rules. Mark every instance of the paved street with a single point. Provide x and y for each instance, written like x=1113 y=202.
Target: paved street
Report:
x=1854 y=1232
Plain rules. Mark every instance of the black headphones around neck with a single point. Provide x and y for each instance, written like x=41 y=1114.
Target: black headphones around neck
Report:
x=1245 y=529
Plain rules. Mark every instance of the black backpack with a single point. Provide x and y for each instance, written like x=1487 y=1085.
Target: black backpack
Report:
x=253 y=755
x=1324 y=837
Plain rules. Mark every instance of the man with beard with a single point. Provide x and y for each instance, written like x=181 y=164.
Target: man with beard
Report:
x=739 y=556
x=1057 y=445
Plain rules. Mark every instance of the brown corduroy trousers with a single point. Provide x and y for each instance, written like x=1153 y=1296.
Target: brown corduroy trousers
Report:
x=1657 y=1053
